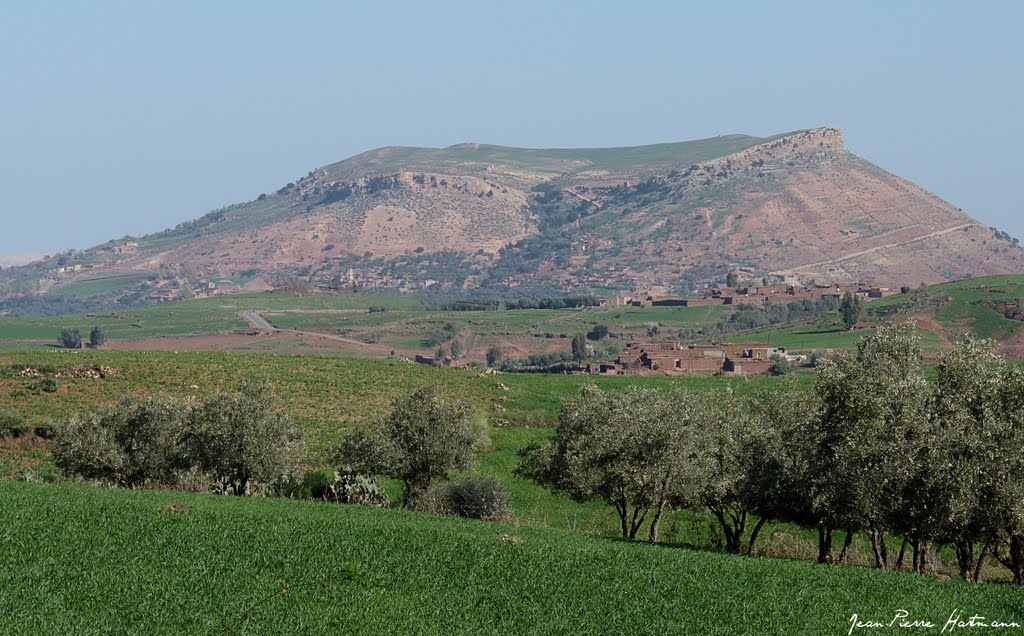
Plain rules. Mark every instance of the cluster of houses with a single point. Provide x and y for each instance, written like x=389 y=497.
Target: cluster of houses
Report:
x=757 y=295
x=675 y=358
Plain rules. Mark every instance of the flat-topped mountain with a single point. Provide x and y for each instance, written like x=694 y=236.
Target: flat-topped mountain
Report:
x=648 y=218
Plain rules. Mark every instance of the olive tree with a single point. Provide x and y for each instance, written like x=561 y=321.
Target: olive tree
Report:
x=874 y=412
x=424 y=438
x=70 y=338
x=242 y=441
x=958 y=498
x=770 y=438
x=627 y=449
x=132 y=444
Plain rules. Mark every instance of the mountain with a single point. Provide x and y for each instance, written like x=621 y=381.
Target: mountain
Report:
x=665 y=217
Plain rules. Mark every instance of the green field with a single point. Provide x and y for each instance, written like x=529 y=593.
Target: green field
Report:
x=88 y=560
x=327 y=394
x=219 y=314
x=951 y=309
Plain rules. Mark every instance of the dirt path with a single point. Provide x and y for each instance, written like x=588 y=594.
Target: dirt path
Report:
x=878 y=248
x=256 y=321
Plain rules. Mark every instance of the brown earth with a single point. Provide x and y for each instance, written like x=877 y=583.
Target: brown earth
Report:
x=634 y=218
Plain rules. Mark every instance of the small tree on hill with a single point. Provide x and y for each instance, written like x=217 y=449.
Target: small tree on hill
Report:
x=96 y=337
x=851 y=308
x=494 y=356
x=425 y=437
x=731 y=279
x=70 y=338
x=599 y=332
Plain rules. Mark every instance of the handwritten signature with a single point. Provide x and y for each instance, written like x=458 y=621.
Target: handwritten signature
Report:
x=958 y=620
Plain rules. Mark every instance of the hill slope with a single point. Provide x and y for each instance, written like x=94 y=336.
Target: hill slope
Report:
x=649 y=218
x=75 y=558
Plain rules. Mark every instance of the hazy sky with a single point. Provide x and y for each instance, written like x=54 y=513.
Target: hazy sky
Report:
x=127 y=117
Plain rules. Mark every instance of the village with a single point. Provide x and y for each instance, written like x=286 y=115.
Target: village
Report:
x=673 y=358
x=788 y=291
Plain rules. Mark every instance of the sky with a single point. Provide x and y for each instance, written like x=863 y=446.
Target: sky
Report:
x=122 y=118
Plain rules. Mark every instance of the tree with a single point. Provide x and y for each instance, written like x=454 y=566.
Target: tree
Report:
x=874 y=414
x=978 y=483
x=133 y=444
x=731 y=279
x=716 y=450
x=764 y=281
x=242 y=441
x=851 y=307
x=456 y=349
x=96 y=337
x=494 y=355
x=425 y=437
x=627 y=449
x=599 y=332
x=579 y=347
x=956 y=500
x=782 y=365
x=70 y=338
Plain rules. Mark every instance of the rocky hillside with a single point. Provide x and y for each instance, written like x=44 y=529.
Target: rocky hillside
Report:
x=652 y=218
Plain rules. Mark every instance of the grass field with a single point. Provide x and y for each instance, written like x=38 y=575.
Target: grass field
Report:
x=951 y=309
x=77 y=559
x=219 y=314
x=326 y=394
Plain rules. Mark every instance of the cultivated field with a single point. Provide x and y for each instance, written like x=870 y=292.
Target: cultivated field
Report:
x=76 y=558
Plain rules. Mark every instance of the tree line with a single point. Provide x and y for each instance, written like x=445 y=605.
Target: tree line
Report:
x=875 y=448
x=547 y=302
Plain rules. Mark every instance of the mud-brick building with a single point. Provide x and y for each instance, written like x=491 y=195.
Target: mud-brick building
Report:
x=673 y=358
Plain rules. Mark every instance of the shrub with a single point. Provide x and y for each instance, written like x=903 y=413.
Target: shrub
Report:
x=133 y=444
x=242 y=441
x=424 y=438
x=11 y=425
x=312 y=485
x=782 y=365
x=70 y=338
x=349 y=487
x=96 y=337
x=494 y=356
x=47 y=385
x=235 y=440
x=599 y=332
x=478 y=497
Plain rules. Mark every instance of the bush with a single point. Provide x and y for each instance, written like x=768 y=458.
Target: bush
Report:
x=312 y=485
x=426 y=437
x=11 y=425
x=96 y=337
x=478 y=497
x=599 y=332
x=349 y=487
x=494 y=355
x=132 y=444
x=782 y=365
x=70 y=338
x=242 y=441
x=47 y=385
x=228 y=442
